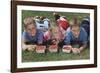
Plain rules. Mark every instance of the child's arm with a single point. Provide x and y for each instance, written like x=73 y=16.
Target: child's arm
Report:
x=40 y=38
x=84 y=40
x=78 y=50
x=25 y=46
x=67 y=38
x=82 y=47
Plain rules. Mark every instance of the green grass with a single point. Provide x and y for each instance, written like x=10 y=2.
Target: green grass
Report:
x=35 y=57
x=32 y=56
x=69 y=15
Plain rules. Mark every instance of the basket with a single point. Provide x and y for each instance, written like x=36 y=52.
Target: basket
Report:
x=53 y=48
x=40 y=49
x=66 y=49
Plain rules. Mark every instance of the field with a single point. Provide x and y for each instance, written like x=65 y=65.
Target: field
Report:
x=35 y=57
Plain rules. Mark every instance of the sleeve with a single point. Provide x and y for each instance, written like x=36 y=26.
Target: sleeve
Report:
x=46 y=24
x=84 y=36
x=40 y=37
x=67 y=38
x=24 y=37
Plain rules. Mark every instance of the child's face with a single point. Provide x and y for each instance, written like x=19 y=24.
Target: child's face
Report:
x=31 y=30
x=75 y=31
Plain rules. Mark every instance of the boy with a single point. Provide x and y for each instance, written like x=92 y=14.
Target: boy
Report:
x=31 y=35
x=76 y=35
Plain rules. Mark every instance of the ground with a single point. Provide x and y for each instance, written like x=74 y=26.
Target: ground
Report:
x=35 y=57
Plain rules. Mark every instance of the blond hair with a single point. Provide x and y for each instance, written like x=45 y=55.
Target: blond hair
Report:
x=28 y=21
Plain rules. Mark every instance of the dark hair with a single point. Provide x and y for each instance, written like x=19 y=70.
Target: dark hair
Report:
x=42 y=17
x=56 y=15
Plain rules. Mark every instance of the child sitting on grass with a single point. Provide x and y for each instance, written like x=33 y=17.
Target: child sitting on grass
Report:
x=76 y=35
x=31 y=36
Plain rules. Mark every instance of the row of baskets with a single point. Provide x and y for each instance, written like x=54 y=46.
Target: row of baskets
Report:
x=51 y=48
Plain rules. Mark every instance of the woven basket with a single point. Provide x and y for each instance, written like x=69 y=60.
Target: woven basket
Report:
x=40 y=49
x=53 y=48
x=66 y=49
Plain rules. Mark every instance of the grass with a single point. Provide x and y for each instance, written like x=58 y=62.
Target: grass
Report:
x=35 y=57
x=32 y=56
x=69 y=15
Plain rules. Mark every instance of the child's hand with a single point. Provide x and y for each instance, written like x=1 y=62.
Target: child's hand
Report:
x=75 y=50
x=29 y=47
x=81 y=49
x=54 y=41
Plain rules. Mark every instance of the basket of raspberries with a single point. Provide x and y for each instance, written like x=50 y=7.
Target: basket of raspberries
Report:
x=66 y=49
x=40 y=49
x=53 y=48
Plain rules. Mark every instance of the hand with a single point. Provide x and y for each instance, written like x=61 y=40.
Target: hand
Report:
x=75 y=50
x=28 y=47
x=54 y=41
x=81 y=49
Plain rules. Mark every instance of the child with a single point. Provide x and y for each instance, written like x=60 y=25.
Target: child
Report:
x=61 y=21
x=54 y=37
x=76 y=35
x=30 y=34
x=62 y=24
x=42 y=23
